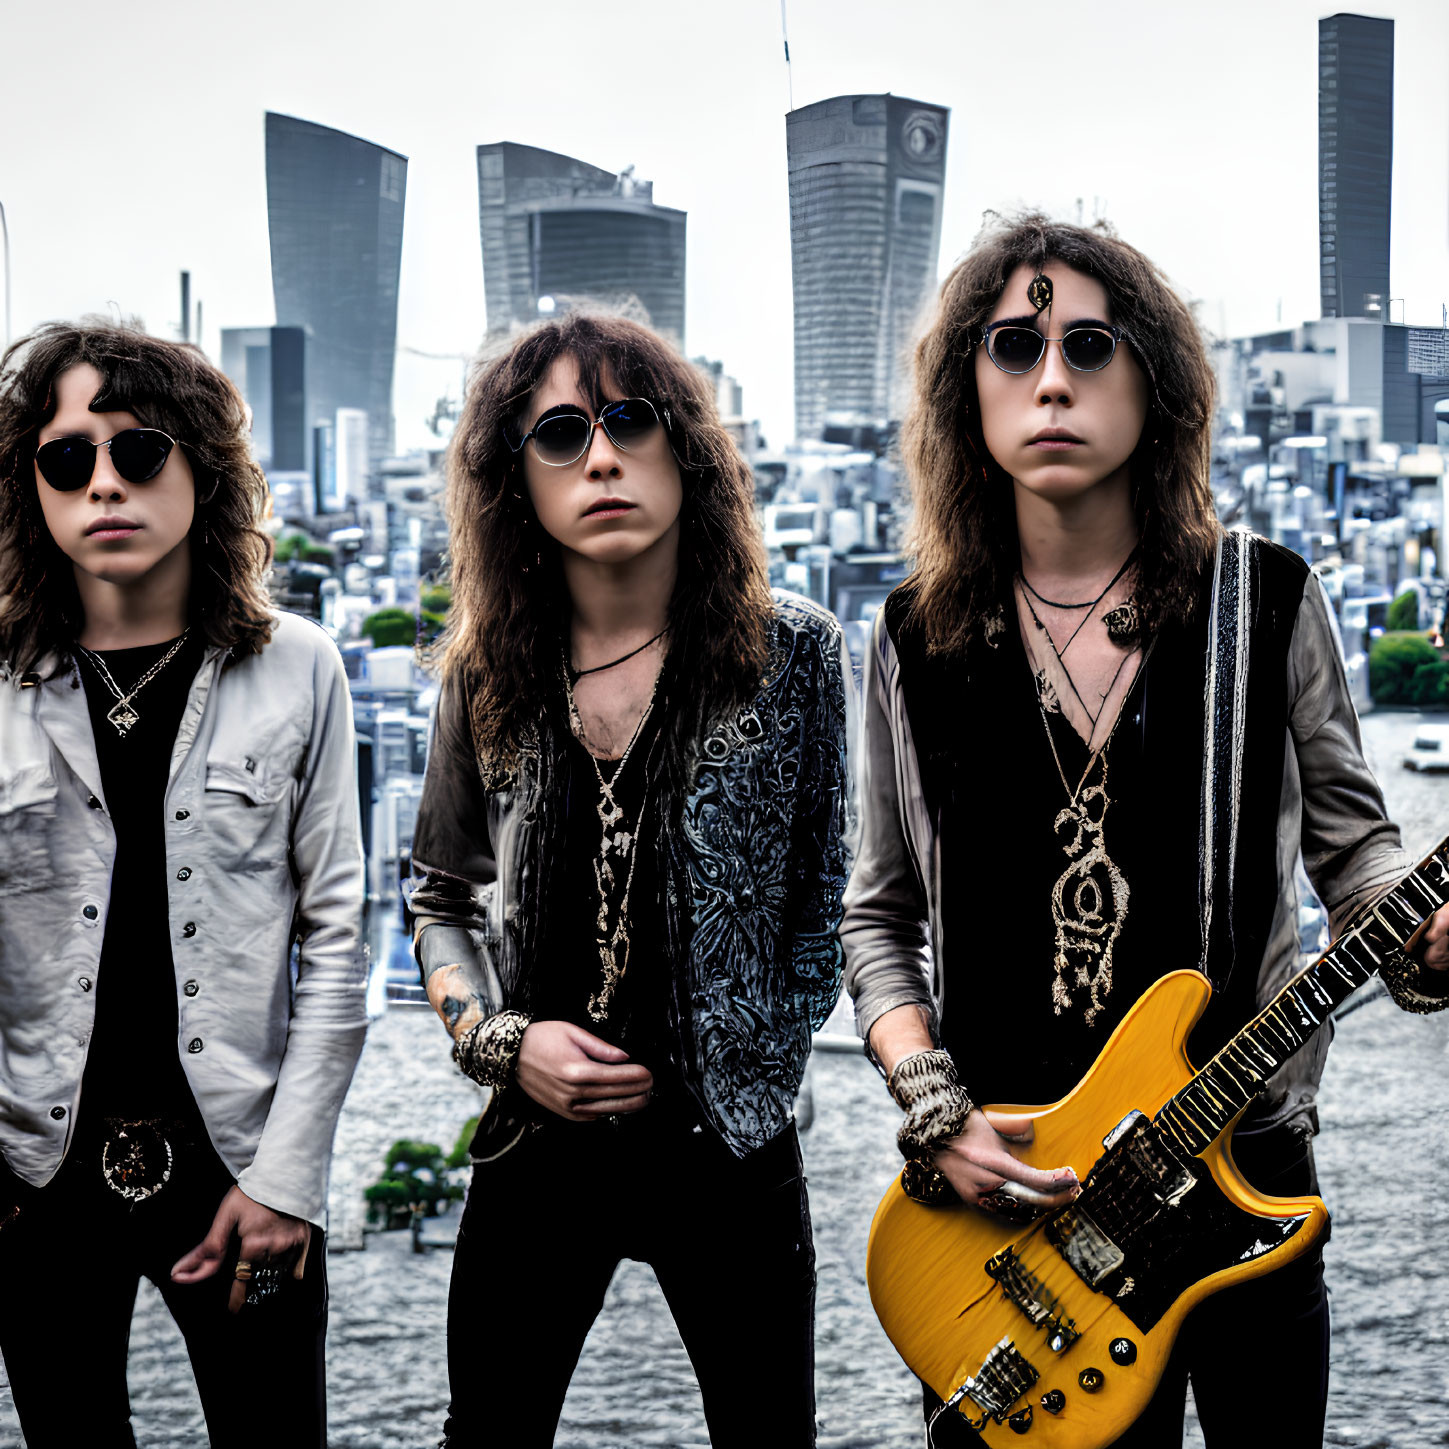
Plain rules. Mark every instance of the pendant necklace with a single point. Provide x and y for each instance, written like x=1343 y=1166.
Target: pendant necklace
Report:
x=616 y=841
x=123 y=714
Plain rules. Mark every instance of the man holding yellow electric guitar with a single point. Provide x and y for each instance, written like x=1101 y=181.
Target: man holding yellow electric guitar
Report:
x=1099 y=735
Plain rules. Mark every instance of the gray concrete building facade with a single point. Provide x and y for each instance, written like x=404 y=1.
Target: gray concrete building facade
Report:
x=335 y=216
x=1355 y=163
x=867 y=177
x=554 y=227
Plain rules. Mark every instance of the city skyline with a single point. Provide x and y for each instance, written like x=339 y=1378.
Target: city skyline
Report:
x=1204 y=127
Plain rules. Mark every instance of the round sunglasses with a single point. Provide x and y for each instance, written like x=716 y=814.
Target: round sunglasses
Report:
x=563 y=435
x=137 y=454
x=1016 y=349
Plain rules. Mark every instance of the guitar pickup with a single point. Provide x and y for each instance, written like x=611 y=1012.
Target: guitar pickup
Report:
x=1092 y=1255
x=1024 y=1290
x=1121 y=1129
x=1004 y=1376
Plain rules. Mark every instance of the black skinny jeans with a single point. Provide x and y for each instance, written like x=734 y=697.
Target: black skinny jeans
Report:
x=1257 y=1353
x=70 y=1263
x=546 y=1225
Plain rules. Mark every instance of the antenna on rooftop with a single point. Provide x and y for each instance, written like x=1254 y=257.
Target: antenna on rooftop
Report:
x=785 y=36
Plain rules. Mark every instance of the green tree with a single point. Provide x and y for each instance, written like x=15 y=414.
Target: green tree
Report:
x=288 y=546
x=436 y=598
x=1429 y=688
x=1393 y=660
x=1403 y=612
x=413 y=1173
x=391 y=626
x=458 y=1157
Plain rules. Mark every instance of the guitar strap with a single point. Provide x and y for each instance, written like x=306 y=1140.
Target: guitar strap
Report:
x=1224 y=732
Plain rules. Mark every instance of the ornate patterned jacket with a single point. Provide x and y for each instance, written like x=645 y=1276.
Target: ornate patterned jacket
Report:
x=751 y=875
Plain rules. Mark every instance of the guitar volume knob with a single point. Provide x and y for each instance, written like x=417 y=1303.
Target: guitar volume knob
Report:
x=1123 y=1351
x=1054 y=1401
x=1020 y=1422
x=1091 y=1380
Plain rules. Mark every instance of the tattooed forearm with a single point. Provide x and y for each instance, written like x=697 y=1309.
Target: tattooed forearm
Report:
x=453 y=998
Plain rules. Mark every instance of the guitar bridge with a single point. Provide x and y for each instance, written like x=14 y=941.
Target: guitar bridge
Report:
x=1004 y=1376
x=1023 y=1289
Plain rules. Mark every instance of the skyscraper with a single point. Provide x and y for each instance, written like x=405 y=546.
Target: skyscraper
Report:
x=557 y=228
x=867 y=174
x=1355 y=163
x=335 y=214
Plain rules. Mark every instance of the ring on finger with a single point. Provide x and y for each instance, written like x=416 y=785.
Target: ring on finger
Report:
x=1004 y=1205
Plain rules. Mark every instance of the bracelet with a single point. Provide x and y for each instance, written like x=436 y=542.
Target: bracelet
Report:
x=936 y=1107
x=488 y=1052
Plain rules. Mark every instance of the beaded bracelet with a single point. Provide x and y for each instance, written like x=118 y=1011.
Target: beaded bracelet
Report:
x=936 y=1106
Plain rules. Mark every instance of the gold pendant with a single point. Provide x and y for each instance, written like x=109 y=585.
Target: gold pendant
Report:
x=1089 y=904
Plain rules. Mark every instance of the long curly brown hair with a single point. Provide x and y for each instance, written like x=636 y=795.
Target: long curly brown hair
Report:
x=510 y=604
x=167 y=385
x=964 y=530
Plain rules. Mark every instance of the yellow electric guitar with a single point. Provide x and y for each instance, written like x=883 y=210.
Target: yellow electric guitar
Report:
x=1056 y=1333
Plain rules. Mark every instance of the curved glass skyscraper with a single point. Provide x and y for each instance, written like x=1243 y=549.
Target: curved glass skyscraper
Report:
x=335 y=214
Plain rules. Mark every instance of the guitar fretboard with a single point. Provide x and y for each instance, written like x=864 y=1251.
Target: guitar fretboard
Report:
x=1200 y=1112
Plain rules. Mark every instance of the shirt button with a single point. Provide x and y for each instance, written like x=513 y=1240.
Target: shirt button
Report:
x=84 y=983
x=93 y=803
x=57 y=1112
x=184 y=873
x=191 y=988
x=194 y=1045
x=183 y=815
x=89 y=912
x=189 y=929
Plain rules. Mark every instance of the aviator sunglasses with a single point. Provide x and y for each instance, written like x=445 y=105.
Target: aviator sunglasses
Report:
x=563 y=437
x=137 y=454
x=1018 y=349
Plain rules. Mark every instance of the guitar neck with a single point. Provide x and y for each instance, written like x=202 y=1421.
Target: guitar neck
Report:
x=1201 y=1111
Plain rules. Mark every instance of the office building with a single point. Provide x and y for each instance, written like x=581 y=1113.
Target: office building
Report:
x=1355 y=163
x=557 y=232
x=335 y=215
x=269 y=367
x=867 y=175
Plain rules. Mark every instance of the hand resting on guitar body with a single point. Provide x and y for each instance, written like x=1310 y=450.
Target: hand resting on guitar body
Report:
x=980 y=1162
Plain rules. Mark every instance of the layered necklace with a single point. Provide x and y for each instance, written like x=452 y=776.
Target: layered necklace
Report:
x=123 y=714
x=1091 y=896
x=618 y=851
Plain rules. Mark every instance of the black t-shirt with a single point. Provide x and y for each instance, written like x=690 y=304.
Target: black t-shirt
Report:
x=133 y=1070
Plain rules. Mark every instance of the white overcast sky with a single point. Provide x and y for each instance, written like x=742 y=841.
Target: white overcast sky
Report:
x=131 y=144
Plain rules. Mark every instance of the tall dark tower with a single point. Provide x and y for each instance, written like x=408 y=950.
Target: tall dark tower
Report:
x=867 y=175
x=555 y=227
x=335 y=214
x=1355 y=163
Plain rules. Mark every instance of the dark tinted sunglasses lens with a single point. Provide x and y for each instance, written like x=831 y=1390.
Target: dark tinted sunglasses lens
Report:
x=66 y=463
x=561 y=439
x=139 y=454
x=1016 y=349
x=629 y=422
x=1088 y=348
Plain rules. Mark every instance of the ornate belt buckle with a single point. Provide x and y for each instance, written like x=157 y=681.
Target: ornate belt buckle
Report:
x=136 y=1160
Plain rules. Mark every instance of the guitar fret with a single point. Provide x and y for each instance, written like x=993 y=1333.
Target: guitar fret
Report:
x=1272 y=1026
x=1322 y=998
x=1349 y=979
x=1403 y=923
x=1355 y=942
x=1425 y=894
